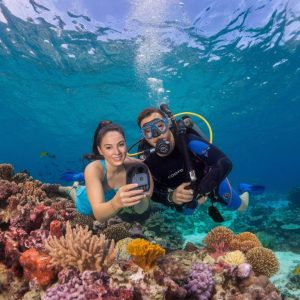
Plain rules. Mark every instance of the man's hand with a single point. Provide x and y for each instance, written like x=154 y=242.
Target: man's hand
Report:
x=182 y=195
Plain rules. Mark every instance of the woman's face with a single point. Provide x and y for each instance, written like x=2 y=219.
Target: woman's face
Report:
x=113 y=148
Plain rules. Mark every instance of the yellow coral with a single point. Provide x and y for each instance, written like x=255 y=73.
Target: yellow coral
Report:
x=263 y=261
x=297 y=270
x=144 y=253
x=244 y=242
x=218 y=235
x=235 y=258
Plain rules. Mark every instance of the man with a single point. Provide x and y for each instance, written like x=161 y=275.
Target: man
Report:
x=171 y=181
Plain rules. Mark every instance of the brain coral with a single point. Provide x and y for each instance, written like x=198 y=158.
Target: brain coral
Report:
x=235 y=258
x=218 y=235
x=263 y=261
x=244 y=242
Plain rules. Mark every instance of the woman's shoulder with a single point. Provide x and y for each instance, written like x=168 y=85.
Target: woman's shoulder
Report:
x=94 y=167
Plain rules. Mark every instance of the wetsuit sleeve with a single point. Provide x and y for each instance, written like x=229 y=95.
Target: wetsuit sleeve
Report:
x=160 y=194
x=218 y=166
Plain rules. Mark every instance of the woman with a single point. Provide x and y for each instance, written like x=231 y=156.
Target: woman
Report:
x=106 y=192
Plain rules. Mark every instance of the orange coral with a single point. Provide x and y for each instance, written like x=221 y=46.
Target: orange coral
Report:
x=218 y=239
x=37 y=266
x=144 y=253
x=263 y=261
x=244 y=242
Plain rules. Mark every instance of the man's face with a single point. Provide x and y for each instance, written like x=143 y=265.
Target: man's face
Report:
x=158 y=126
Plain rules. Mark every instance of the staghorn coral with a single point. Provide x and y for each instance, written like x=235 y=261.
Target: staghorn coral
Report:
x=81 y=249
x=244 y=242
x=218 y=240
x=234 y=258
x=200 y=282
x=263 y=261
x=37 y=267
x=6 y=171
x=144 y=253
x=117 y=232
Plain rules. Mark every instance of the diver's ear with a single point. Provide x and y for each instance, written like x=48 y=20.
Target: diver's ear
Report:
x=99 y=150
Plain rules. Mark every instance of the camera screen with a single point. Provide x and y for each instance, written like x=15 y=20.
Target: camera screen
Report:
x=140 y=179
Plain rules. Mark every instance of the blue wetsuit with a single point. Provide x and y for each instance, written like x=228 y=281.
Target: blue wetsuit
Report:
x=211 y=167
x=82 y=202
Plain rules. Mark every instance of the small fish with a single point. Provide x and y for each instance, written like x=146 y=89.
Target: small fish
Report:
x=46 y=154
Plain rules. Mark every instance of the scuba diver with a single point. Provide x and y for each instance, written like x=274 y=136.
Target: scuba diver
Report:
x=186 y=168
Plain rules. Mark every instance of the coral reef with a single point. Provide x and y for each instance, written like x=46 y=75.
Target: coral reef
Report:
x=263 y=261
x=88 y=285
x=144 y=253
x=218 y=240
x=244 y=241
x=37 y=267
x=81 y=249
x=6 y=171
x=122 y=249
x=200 y=281
x=117 y=232
x=234 y=258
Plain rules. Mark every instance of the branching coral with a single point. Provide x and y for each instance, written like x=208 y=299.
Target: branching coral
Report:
x=144 y=253
x=263 y=261
x=244 y=242
x=234 y=258
x=81 y=249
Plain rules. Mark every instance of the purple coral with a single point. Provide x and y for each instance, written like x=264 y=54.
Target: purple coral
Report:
x=85 y=286
x=201 y=283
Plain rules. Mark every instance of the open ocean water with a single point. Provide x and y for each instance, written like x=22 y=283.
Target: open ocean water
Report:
x=65 y=65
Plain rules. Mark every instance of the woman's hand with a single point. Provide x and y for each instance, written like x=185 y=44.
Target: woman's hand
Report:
x=127 y=197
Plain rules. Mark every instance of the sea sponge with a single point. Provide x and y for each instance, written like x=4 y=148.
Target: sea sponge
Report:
x=234 y=258
x=244 y=242
x=218 y=237
x=144 y=253
x=263 y=261
x=81 y=249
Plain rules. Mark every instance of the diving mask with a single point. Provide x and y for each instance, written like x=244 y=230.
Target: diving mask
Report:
x=155 y=128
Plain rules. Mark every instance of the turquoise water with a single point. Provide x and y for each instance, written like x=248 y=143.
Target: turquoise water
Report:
x=65 y=67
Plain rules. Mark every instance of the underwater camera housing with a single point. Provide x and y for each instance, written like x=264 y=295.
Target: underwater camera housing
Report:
x=138 y=173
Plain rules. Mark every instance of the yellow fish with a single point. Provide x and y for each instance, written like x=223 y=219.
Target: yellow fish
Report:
x=46 y=154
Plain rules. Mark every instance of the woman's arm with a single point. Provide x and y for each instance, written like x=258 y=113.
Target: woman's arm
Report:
x=102 y=210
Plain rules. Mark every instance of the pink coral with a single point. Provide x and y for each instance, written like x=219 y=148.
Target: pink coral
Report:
x=7 y=188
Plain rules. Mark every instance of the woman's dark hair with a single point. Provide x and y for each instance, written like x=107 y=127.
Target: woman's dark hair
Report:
x=147 y=112
x=101 y=130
